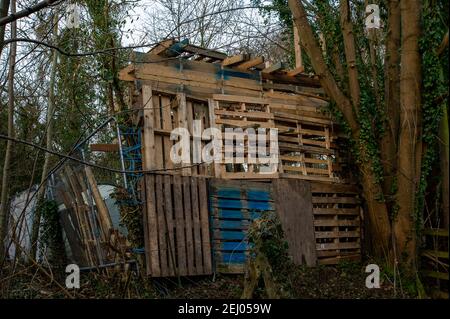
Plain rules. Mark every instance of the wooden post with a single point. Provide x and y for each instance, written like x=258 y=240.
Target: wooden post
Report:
x=148 y=163
x=298 y=49
x=105 y=218
x=183 y=123
x=149 y=157
x=214 y=105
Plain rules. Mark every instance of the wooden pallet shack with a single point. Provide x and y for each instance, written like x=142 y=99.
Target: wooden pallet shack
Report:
x=180 y=86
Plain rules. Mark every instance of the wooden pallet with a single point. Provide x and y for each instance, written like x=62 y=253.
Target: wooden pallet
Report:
x=305 y=142
x=434 y=261
x=233 y=207
x=176 y=226
x=86 y=220
x=337 y=222
x=240 y=112
x=165 y=113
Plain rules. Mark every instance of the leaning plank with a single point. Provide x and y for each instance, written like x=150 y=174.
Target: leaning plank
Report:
x=295 y=71
x=244 y=66
x=104 y=217
x=235 y=59
x=162 y=47
x=204 y=222
x=274 y=68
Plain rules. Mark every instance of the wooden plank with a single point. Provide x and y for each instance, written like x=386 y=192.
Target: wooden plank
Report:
x=162 y=230
x=183 y=123
x=297 y=47
x=332 y=246
x=152 y=224
x=293 y=205
x=204 y=222
x=108 y=148
x=254 y=115
x=308 y=177
x=293 y=117
x=168 y=208
x=435 y=253
x=167 y=126
x=336 y=211
x=197 y=230
x=244 y=124
x=337 y=234
x=301 y=159
x=189 y=226
x=239 y=99
x=145 y=226
x=103 y=213
x=436 y=232
x=205 y=52
x=333 y=188
x=235 y=59
x=212 y=106
x=435 y=274
x=161 y=47
x=336 y=223
x=338 y=259
x=249 y=175
x=295 y=71
x=274 y=68
x=148 y=156
x=179 y=222
x=334 y=200
x=159 y=155
x=178 y=74
x=244 y=66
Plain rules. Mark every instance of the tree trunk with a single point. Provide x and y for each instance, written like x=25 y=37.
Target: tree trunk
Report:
x=4 y=199
x=350 y=53
x=49 y=142
x=410 y=146
x=389 y=142
x=377 y=211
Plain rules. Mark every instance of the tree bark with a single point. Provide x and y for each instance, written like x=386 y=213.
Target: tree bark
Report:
x=350 y=53
x=377 y=211
x=389 y=142
x=49 y=142
x=410 y=146
x=4 y=197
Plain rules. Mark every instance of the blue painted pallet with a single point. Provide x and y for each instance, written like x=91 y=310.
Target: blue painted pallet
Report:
x=233 y=206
